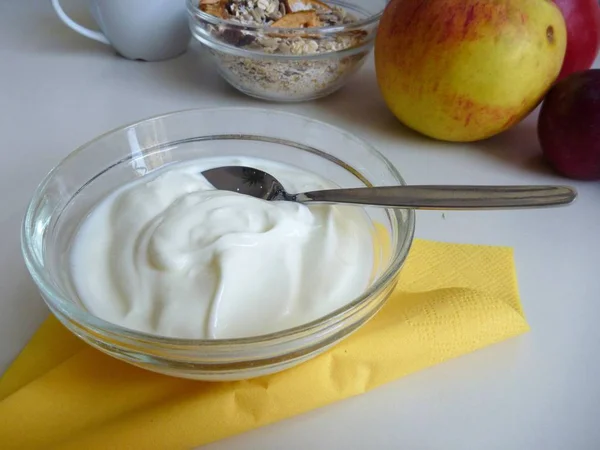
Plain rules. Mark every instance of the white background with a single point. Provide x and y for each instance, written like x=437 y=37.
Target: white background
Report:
x=539 y=391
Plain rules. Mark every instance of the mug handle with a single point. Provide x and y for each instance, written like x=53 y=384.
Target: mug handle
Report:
x=95 y=35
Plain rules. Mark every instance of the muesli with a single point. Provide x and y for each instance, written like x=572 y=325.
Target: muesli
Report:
x=284 y=78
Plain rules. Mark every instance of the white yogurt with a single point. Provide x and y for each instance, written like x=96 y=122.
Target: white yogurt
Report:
x=172 y=256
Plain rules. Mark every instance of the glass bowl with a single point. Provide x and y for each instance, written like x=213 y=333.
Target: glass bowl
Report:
x=83 y=178
x=288 y=64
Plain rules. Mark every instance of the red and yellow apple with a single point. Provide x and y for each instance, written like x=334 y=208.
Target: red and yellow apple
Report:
x=464 y=70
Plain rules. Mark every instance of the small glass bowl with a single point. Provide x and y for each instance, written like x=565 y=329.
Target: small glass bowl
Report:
x=72 y=188
x=288 y=64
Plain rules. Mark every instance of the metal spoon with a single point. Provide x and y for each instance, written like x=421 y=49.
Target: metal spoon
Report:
x=256 y=183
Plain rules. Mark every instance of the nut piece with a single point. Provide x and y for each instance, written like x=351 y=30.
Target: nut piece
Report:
x=301 y=19
x=215 y=8
x=305 y=5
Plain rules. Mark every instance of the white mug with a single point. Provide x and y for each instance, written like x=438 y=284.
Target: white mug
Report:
x=148 y=30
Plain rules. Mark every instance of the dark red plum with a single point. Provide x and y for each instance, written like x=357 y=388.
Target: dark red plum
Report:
x=569 y=126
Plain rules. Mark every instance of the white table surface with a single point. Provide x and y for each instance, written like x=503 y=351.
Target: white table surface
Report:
x=538 y=391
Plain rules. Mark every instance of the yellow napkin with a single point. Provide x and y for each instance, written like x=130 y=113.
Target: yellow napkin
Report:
x=61 y=393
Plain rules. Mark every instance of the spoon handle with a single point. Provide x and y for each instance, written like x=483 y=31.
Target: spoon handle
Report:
x=447 y=197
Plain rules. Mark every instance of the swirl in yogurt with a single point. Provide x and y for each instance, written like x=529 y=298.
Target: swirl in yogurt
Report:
x=170 y=255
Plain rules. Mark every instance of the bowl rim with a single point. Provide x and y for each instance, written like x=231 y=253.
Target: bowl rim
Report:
x=254 y=54
x=83 y=317
x=194 y=10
